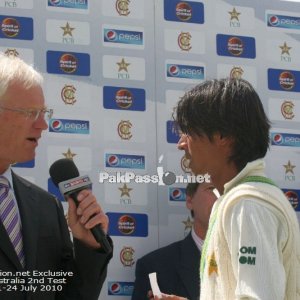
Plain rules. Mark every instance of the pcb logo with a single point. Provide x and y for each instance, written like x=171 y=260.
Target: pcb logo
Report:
x=68 y=94
x=11 y=52
x=184 y=41
x=236 y=73
x=126 y=256
x=124 y=130
x=122 y=7
x=287 y=110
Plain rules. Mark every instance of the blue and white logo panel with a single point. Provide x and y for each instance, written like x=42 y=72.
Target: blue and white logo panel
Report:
x=279 y=21
x=124 y=161
x=123 y=37
x=285 y=139
x=177 y=194
x=120 y=288
x=184 y=72
x=69 y=6
x=69 y=126
x=76 y=4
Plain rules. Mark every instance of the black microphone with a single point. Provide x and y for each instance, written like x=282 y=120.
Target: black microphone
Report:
x=65 y=176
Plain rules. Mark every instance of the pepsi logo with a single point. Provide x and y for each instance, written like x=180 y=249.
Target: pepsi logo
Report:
x=273 y=20
x=115 y=288
x=54 y=2
x=111 y=35
x=176 y=194
x=277 y=139
x=112 y=160
x=174 y=70
x=56 y=125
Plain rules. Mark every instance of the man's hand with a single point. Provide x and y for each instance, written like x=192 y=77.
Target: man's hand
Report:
x=84 y=217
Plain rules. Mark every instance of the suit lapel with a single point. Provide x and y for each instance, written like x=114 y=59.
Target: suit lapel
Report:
x=29 y=211
x=7 y=248
x=189 y=266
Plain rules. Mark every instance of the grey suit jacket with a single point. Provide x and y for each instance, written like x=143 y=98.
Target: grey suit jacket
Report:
x=48 y=248
x=177 y=267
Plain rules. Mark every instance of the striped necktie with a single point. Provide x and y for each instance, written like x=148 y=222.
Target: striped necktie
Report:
x=10 y=218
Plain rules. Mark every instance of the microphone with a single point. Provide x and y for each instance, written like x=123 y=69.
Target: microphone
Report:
x=65 y=176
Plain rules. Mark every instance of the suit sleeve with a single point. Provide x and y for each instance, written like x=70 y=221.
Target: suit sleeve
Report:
x=142 y=283
x=88 y=265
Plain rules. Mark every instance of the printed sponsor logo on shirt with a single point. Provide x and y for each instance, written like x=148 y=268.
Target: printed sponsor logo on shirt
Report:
x=212 y=265
x=247 y=255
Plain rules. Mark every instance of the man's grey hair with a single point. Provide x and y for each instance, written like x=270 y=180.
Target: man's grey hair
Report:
x=14 y=69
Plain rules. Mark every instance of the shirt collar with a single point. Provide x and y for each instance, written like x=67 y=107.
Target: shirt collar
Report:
x=8 y=176
x=199 y=242
x=255 y=167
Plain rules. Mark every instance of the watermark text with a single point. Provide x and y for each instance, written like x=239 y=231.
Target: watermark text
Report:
x=167 y=178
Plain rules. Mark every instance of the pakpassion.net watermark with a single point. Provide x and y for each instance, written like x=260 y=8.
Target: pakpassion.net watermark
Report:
x=167 y=178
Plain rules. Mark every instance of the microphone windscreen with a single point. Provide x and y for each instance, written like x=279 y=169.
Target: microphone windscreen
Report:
x=63 y=169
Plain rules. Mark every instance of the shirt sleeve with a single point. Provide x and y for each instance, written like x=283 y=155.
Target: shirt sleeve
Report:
x=256 y=235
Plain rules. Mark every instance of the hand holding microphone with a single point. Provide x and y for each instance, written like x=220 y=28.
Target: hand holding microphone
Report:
x=86 y=215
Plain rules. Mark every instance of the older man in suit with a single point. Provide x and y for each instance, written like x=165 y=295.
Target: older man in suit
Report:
x=38 y=261
x=177 y=265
